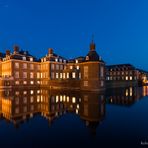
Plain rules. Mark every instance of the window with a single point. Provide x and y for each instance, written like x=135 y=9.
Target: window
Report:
x=24 y=74
x=61 y=75
x=25 y=100
x=52 y=66
x=52 y=75
x=17 y=110
x=31 y=66
x=79 y=75
x=16 y=74
x=24 y=82
x=31 y=92
x=64 y=61
x=31 y=59
x=71 y=67
x=32 y=82
x=131 y=78
x=78 y=67
x=16 y=65
x=126 y=78
x=31 y=99
x=57 y=75
x=38 y=82
x=61 y=67
x=17 y=100
x=25 y=109
x=73 y=99
x=86 y=72
x=38 y=75
x=61 y=60
x=85 y=83
x=57 y=67
x=24 y=65
x=31 y=75
x=56 y=59
x=102 y=83
x=24 y=58
x=67 y=75
x=102 y=71
x=77 y=61
x=73 y=75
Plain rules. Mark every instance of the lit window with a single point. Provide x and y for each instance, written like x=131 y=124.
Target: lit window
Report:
x=38 y=98
x=61 y=98
x=67 y=75
x=57 y=99
x=17 y=100
x=61 y=60
x=78 y=67
x=24 y=82
x=31 y=75
x=38 y=75
x=17 y=82
x=67 y=98
x=38 y=82
x=73 y=100
x=76 y=61
x=61 y=75
x=85 y=83
x=31 y=82
x=16 y=65
x=57 y=75
x=24 y=58
x=17 y=92
x=31 y=59
x=64 y=61
x=131 y=78
x=56 y=59
x=73 y=75
x=71 y=67
x=126 y=77
x=24 y=92
x=31 y=92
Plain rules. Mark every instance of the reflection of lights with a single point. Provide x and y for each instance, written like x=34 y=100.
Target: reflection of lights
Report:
x=77 y=111
x=61 y=98
x=126 y=93
x=57 y=99
x=131 y=91
x=73 y=100
x=111 y=100
x=64 y=98
x=67 y=98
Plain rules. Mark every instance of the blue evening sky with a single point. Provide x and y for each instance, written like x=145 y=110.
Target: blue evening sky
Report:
x=120 y=28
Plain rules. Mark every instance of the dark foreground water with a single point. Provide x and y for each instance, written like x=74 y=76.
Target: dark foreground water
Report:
x=44 y=118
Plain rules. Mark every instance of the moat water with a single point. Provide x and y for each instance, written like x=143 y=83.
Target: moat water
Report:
x=44 y=118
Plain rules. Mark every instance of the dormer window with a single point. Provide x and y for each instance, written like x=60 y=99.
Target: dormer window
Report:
x=56 y=59
x=24 y=58
x=87 y=58
x=60 y=60
x=64 y=61
x=77 y=61
x=31 y=59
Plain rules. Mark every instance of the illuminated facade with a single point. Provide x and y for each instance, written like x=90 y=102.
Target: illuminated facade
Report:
x=53 y=71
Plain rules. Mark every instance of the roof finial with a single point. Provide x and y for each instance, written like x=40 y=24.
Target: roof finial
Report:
x=92 y=44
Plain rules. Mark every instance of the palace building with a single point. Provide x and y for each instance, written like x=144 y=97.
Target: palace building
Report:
x=19 y=68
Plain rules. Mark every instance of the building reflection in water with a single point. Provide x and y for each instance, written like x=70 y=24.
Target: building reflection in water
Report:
x=18 y=106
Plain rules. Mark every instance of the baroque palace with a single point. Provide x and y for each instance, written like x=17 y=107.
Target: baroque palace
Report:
x=82 y=73
x=20 y=68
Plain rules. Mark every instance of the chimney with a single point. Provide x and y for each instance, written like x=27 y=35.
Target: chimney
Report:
x=50 y=51
x=16 y=49
x=7 y=52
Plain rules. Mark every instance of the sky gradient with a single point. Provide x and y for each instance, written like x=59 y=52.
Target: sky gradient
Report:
x=120 y=28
